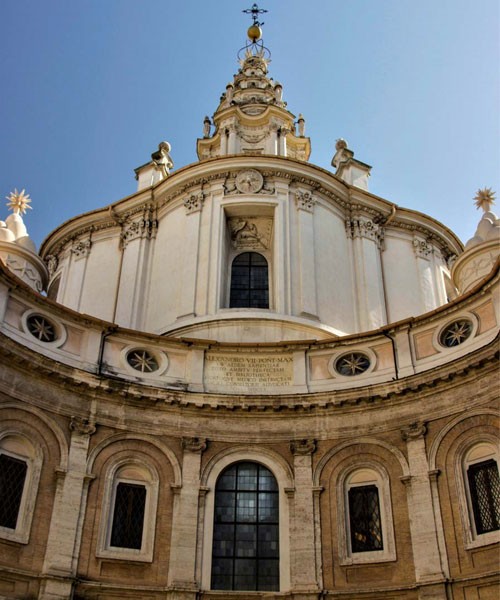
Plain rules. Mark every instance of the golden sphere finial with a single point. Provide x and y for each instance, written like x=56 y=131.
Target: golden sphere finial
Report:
x=254 y=33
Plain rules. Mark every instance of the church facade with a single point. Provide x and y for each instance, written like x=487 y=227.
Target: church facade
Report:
x=252 y=378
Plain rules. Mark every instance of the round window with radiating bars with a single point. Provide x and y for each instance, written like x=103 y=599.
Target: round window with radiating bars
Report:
x=41 y=328
x=142 y=360
x=352 y=363
x=455 y=333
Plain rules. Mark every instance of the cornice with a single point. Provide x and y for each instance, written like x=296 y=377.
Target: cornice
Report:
x=104 y=387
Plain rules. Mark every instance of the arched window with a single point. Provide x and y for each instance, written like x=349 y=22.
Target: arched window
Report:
x=365 y=504
x=20 y=466
x=249 y=281
x=245 y=550
x=483 y=487
x=129 y=512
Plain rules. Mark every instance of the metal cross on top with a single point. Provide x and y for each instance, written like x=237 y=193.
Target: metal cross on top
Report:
x=255 y=11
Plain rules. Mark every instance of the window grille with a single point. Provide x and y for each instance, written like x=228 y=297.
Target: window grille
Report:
x=245 y=551
x=484 y=486
x=12 y=477
x=364 y=516
x=456 y=333
x=352 y=364
x=249 y=281
x=142 y=360
x=128 y=518
x=41 y=328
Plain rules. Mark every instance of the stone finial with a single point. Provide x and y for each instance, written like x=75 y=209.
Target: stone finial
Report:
x=484 y=199
x=206 y=127
x=162 y=157
x=18 y=202
x=301 y=124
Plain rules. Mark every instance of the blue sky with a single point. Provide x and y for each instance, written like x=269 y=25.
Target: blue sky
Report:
x=90 y=87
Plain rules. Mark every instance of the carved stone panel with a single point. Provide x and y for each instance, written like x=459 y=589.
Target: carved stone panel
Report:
x=250 y=233
x=249 y=181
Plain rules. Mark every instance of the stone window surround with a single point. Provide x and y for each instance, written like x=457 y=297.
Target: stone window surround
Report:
x=61 y=333
x=377 y=476
x=348 y=350
x=462 y=316
x=151 y=482
x=32 y=456
x=160 y=356
x=471 y=538
x=284 y=485
x=252 y=209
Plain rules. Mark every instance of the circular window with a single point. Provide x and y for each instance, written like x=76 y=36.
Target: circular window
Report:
x=353 y=363
x=142 y=360
x=455 y=333
x=41 y=328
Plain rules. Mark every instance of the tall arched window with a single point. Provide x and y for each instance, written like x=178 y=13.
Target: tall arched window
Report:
x=366 y=532
x=483 y=486
x=245 y=551
x=20 y=465
x=249 y=281
x=129 y=511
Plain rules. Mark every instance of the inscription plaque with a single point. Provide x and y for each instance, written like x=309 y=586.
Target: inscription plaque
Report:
x=248 y=371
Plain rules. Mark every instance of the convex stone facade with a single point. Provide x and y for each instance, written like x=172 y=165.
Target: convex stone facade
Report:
x=252 y=378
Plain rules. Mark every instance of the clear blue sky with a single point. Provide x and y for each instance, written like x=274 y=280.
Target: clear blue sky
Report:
x=90 y=87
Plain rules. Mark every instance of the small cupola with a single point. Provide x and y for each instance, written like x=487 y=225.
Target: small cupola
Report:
x=252 y=117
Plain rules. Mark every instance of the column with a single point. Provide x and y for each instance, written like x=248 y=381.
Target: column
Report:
x=182 y=568
x=302 y=530
x=308 y=305
x=61 y=555
x=424 y=536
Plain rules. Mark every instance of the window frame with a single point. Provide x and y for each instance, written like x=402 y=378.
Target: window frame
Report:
x=33 y=459
x=150 y=481
x=472 y=538
x=377 y=476
x=281 y=471
x=232 y=258
x=236 y=524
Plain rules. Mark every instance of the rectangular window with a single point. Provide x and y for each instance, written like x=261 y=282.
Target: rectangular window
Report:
x=128 y=517
x=364 y=516
x=484 y=486
x=12 y=477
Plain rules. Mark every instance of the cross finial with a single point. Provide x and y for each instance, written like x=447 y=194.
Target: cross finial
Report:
x=255 y=11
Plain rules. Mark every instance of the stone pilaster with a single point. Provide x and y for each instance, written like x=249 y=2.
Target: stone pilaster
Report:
x=424 y=536
x=182 y=568
x=61 y=555
x=305 y=202
x=302 y=533
x=367 y=237
x=424 y=255
x=189 y=274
